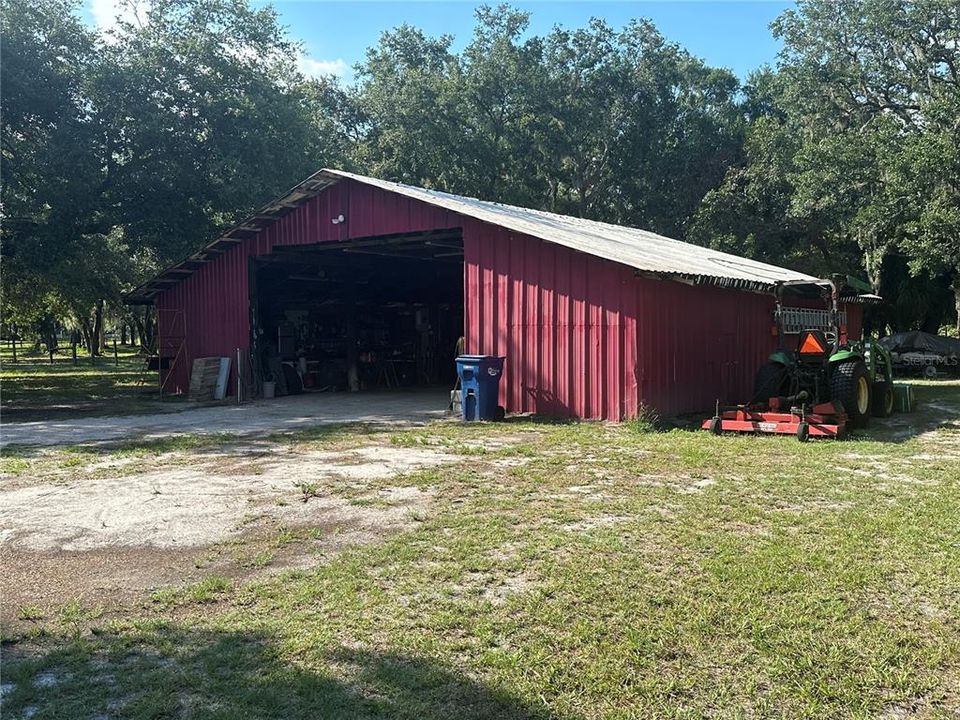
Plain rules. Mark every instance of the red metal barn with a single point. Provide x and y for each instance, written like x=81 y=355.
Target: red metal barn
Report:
x=595 y=320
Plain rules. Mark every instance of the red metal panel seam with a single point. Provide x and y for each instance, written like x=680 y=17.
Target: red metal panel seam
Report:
x=562 y=290
x=532 y=317
x=487 y=298
x=545 y=377
x=471 y=244
x=519 y=299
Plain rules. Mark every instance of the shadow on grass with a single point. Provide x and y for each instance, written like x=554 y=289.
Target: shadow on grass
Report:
x=172 y=672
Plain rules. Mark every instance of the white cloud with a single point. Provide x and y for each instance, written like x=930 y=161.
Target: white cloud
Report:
x=312 y=67
x=105 y=13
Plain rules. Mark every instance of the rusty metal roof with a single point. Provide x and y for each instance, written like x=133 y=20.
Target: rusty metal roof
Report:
x=642 y=250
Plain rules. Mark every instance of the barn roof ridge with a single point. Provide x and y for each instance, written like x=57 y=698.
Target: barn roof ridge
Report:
x=642 y=250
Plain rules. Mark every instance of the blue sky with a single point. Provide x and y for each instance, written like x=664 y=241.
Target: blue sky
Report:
x=335 y=35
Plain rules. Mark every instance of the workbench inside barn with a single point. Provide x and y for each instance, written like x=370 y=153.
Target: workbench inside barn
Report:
x=357 y=322
x=389 y=347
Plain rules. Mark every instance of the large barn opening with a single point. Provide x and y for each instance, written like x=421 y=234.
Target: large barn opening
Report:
x=374 y=313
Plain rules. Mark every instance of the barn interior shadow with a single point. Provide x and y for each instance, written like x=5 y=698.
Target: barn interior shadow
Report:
x=174 y=673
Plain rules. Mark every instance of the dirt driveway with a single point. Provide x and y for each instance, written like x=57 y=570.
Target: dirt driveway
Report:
x=99 y=517
x=256 y=418
x=106 y=528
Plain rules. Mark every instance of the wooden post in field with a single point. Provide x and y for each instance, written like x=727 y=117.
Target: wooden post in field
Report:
x=116 y=358
x=14 y=342
x=73 y=349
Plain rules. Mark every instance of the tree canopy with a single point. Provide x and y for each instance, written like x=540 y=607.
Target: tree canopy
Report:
x=124 y=151
x=862 y=124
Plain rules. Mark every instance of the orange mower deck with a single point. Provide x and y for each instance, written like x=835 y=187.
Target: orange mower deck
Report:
x=824 y=420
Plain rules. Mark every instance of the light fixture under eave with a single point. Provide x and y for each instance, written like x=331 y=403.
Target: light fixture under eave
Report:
x=337 y=220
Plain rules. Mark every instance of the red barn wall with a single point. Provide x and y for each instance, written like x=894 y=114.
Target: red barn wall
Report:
x=700 y=344
x=583 y=337
x=565 y=321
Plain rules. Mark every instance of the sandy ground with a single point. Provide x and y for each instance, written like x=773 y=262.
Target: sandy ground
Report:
x=109 y=539
x=256 y=418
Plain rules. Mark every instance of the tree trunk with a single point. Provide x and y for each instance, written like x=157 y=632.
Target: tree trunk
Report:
x=141 y=332
x=86 y=331
x=47 y=331
x=97 y=337
x=873 y=267
x=123 y=333
x=956 y=298
x=146 y=327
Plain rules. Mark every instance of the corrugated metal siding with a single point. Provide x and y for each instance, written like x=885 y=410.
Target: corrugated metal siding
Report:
x=565 y=321
x=214 y=321
x=583 y=336
x=699 y=344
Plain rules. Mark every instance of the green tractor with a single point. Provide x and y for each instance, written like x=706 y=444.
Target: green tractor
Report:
x=827 y=383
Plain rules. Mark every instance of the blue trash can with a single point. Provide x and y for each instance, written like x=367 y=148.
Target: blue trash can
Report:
x=479 y=385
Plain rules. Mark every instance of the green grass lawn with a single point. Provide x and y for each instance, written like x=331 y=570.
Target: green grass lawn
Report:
x=34 y=389
x=572 y=571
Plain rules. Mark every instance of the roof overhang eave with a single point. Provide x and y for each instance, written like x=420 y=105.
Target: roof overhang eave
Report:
x=727 y=283
x=146 y=293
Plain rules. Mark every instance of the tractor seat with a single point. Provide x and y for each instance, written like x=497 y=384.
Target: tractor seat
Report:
x=813 y=346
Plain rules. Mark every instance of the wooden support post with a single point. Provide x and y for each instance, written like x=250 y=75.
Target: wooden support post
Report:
x=15 y=338
x=353 y=355
x=159 y=347
x=116 y=358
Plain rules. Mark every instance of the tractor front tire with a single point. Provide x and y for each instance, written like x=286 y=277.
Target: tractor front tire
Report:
x=850 y=384
x=882 y=399
x=770 y=381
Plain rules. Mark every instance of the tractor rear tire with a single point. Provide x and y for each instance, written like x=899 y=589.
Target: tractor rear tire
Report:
x=850 y=384
x=770 y=381
x=882 y=399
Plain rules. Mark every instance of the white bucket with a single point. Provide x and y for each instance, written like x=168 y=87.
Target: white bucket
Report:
x=269 y=389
